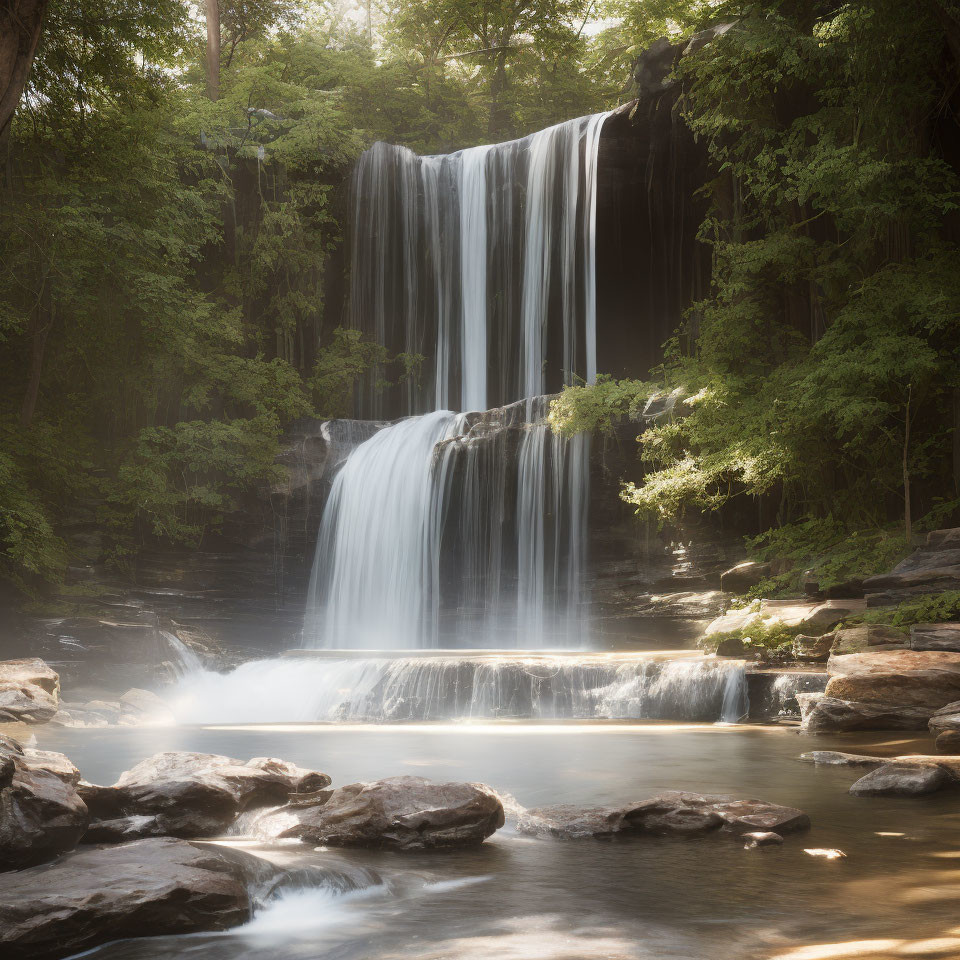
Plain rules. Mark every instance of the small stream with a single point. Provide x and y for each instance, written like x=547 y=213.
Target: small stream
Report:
x=517 y=898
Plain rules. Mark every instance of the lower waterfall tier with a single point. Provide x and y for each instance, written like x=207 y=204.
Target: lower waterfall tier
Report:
x=488 y=687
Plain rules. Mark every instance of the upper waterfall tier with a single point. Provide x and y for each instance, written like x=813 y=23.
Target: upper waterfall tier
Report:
x=482 y=262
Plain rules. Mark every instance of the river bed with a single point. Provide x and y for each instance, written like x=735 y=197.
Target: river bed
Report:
x=894 y=893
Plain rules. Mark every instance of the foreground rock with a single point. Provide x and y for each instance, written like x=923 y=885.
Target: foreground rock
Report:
x=402 y=813
x=190 y=795
x=669 y=814
x=41 y=813
x=902 y=779
x=29 y=691
x=933 y=568
x=141 y=889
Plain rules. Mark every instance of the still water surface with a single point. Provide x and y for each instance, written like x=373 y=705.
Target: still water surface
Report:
x=896 y=893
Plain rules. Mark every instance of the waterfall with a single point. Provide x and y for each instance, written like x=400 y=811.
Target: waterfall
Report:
x=488 y=687
x=484 y=262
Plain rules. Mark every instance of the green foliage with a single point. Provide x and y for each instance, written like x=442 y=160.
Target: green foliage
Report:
x=758 y=632
x=935 y=608
x=597 y=407
x=829 y=549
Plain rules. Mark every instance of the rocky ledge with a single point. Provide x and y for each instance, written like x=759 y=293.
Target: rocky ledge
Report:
x=889 y=688
x=141 y=889
x=669 y=814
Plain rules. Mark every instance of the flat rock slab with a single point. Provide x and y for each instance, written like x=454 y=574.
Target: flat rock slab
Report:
x=190 y=794
x=41 y=813
x=141 y=889
x=29 y=691
x=894 y=662
x=400 y=813
x=669 y=814
x=902 y=779
x=935 y=636
x=929 y=689
x=821 y=713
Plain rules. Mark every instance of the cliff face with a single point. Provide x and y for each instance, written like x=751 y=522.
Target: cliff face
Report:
x=650 y=267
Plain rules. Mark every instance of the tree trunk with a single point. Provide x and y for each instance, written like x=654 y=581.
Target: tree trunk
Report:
x=20 y=25
x=499 y=114
x=907 y=519
x=956 y=439
x=213 y=49
x=40 y=330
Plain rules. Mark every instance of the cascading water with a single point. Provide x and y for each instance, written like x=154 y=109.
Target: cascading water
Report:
x=484 y=262
x=488 y=687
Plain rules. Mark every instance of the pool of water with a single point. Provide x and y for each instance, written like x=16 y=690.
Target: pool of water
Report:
x=895 y=893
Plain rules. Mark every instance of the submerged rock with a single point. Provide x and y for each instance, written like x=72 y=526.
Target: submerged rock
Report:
x=190 y=795
x=671 y=814
x=402 y=813
x=141 y=889
x=29 y=691
x=41 y=813
x=833 y=758
x=902 y=779
x=761 y=839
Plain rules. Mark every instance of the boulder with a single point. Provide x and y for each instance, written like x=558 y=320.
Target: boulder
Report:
x=902 y=780
x=813 y=649
x=833 y=758
x=868 y=636
x=731 y=647
x=927 y=691
x=948 y=742
x=402 y=813
x=190 y=794
x=935 y=636
x=29 y=691
x=141 y=889
x=933 y=568
x=946 y=718
x=744 y=576
x=669 y=814
x=821 y=713
x=41 y=813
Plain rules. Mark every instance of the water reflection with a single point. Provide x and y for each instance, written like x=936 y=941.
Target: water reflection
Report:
x=894 y=893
